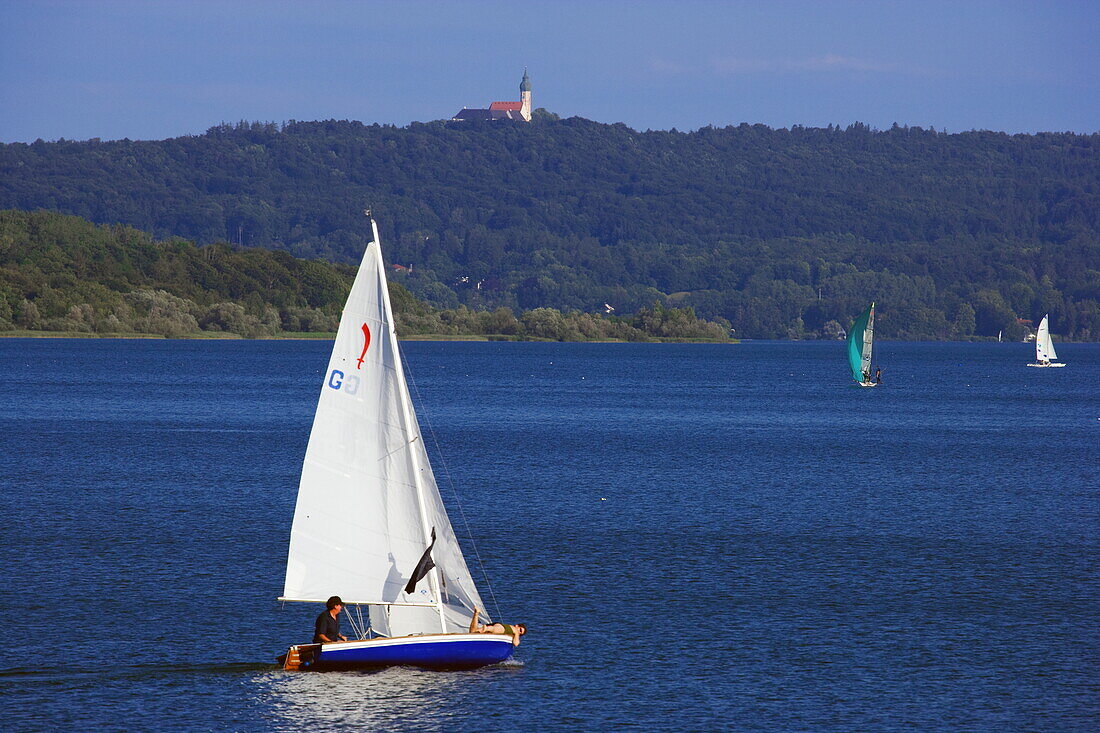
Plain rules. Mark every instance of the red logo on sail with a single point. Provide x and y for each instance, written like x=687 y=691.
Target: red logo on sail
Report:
x=366 y=345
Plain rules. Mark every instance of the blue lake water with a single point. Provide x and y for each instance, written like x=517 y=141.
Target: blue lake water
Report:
x=699 y=537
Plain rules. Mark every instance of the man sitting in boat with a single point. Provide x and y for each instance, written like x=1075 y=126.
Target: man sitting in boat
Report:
x=513 y=630
x=327 y=628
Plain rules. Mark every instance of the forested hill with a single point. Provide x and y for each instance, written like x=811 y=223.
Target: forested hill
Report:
x=780 y=231
x=61 y=273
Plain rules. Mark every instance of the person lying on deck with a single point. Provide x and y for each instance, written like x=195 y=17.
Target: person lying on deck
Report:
x=327 y=628
x=513 y=630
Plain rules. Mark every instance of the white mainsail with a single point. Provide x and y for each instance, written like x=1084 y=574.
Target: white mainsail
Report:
x=368 y=500
x=1044 y=347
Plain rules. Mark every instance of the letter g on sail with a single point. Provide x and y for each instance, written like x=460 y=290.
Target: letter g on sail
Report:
x=339 y=382
x=336 y=379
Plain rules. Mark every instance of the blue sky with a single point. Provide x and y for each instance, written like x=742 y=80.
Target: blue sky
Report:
x=154 y=69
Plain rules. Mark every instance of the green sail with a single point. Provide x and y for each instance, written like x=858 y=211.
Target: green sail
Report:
x=859 y=344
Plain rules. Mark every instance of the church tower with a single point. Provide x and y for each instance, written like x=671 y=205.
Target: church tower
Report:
x=525 y=97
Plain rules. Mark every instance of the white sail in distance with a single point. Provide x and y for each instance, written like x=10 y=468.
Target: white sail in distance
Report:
x=1044 y=347
x=368 y=500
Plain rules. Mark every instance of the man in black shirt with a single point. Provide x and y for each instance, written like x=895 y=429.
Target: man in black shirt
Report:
x=327 y=628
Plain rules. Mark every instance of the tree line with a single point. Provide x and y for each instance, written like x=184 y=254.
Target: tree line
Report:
x=780 y=231
x=63 y=273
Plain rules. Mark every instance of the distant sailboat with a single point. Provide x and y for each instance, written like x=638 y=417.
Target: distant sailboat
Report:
x=860 y=339
x=370 y=525
x=999 y=336
x=1044 y=347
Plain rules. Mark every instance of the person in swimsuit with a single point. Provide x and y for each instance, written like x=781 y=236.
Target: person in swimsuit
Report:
x=513 y=630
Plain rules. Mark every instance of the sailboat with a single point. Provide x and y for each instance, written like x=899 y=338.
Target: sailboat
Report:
x=370 y=524
x=1044 y=347
x=860 y=338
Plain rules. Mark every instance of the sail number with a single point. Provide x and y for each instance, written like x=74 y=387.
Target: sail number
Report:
x=337 y=381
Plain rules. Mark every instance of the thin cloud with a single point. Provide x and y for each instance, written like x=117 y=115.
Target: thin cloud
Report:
x=664 y=66
x=831 y=61
x=828 y=62
x=733 y=65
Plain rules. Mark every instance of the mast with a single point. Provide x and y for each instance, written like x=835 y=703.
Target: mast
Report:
x=869 y=339
x=407 y=418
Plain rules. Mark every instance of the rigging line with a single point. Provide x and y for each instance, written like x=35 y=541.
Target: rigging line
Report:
x=354 y=628
x=360 y=627
x=454 y=491
x=350 y=611
x=365 y=634
x=400 y=447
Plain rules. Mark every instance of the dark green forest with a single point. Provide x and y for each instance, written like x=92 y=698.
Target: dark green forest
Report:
x=784 y=232
x=63 y=273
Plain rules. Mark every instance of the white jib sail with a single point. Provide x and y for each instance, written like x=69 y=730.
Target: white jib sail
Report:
x=868 y=340
x=368 y=500
x=1044 y=347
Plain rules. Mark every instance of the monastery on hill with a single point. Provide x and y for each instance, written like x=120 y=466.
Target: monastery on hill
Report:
x=520 y=110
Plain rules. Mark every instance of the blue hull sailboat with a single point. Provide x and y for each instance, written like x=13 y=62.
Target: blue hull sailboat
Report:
x=430 y=651
x=370 y=524
x=861 y=338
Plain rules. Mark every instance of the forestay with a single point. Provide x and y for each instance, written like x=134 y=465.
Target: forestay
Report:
x=368 y=500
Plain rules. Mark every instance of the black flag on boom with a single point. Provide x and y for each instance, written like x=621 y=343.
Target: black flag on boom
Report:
x=423 y=567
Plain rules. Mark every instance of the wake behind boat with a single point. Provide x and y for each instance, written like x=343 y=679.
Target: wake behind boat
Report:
x=370 y=523
x=1044 y=347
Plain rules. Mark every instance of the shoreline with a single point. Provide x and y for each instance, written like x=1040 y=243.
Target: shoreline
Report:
x=327 y=336
x=323 y=336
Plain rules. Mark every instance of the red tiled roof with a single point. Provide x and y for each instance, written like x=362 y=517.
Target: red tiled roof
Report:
x=513 y=106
